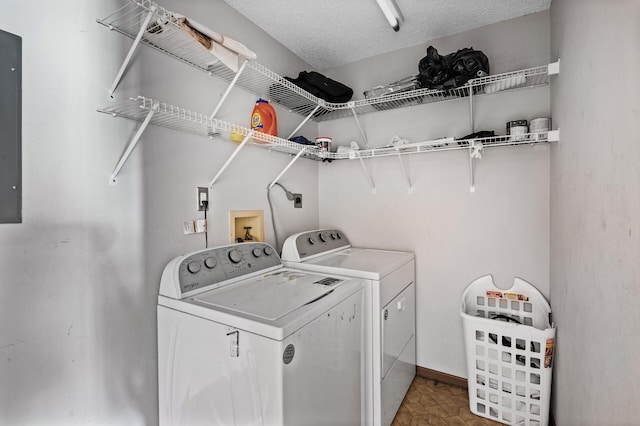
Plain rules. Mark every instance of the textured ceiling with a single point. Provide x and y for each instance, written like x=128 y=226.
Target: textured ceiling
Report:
x=328 y=33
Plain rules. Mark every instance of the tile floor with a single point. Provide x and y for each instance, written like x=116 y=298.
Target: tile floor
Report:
x=428 y=403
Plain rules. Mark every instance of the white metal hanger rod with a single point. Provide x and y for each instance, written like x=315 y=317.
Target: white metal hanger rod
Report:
x=366 y=173
x=472 y=186
x=364 y=138
x=136 y=41
x=471 y=109
x=406 y=174
x=226 y=92
x=230 y=159
x=302 y=151
x=303 y=122
x=133 y=142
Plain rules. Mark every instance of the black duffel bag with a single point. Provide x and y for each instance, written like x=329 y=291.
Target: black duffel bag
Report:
x=322 y=87
x=453 y=70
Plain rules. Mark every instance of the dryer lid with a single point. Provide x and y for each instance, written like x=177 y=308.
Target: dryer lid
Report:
x=271 y=296
x=359 y=262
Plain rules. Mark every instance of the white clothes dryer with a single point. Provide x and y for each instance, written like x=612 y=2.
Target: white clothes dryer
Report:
x=389 y=311
x=242 y=340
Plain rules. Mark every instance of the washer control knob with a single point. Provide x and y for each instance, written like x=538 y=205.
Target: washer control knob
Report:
x=193 y=267
x=312 y=240
x=256 y=252
x=210 y=262
x=235 y=256
x=339 y=235
x=333 y=236
x=324 y=237
x=268 y=251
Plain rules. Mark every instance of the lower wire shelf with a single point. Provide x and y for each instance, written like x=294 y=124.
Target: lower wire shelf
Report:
x=451 y=144
x=184 y=120
x=150 y=111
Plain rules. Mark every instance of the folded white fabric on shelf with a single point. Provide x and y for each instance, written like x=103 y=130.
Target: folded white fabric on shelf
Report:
x=229 y=51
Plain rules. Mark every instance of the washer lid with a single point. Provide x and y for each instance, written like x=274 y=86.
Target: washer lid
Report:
x=358 y=262
x=271 y=296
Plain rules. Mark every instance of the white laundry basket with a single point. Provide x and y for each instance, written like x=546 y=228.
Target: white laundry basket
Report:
x=509 y=364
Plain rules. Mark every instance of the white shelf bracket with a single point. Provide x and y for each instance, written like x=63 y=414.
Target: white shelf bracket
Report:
x=475 y=151
x=355 y=115
x=302 y=151
x=132 y=50
x=304 y=121
x=366 y=173
x=554 y=68
x=406 y=174
x=471 y=109
x=113 y=180
x=226 y=92
x=230 y=159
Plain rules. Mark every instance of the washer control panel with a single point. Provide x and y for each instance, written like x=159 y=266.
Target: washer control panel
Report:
x=219 y=264
x=320 y=241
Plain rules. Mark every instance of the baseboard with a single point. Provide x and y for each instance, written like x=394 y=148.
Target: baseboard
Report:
x=438 y=376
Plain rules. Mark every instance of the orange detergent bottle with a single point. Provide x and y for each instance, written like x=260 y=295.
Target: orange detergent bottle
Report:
x=264 y=119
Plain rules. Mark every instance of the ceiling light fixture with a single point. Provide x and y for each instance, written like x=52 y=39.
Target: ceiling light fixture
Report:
x=392 y=13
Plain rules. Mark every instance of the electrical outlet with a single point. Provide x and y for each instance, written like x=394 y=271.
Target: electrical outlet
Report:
x=297 y=201
x=203 y=195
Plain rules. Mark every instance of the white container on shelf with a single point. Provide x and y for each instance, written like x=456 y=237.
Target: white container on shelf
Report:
x=540 y=125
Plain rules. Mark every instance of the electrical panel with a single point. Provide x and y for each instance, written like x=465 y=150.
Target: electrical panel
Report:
x=10 y=128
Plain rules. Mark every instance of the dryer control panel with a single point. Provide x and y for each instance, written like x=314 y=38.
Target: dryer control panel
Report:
x=211 y=267
x=300 y=246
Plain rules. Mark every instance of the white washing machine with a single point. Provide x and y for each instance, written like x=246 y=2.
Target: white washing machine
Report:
x=389 y=311
x=242 y=340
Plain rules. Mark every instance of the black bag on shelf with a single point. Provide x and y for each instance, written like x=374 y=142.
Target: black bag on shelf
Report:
x=434 y=69
x=322 y=87
x=480 y=134
x=453 y=70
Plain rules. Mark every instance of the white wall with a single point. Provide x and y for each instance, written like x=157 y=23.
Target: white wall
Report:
x=175 y=163
x=501 y=229
x=595 y=212
x=79 y=277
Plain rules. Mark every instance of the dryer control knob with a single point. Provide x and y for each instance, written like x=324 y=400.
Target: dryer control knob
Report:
x=339 y=235
x=268 y=251
x=210 y=262
x=324 y=237
x=256 y=252
x=193 y=267
x=235 y=256
x=333 y=236
x=312 y=240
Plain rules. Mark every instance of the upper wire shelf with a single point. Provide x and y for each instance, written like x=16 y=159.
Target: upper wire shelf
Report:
x=530 y=77
x=163 y=33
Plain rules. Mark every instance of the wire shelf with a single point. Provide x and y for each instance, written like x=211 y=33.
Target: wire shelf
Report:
x=164 y=34
x=447 y=144
x=531 y=77
x=184 y=120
